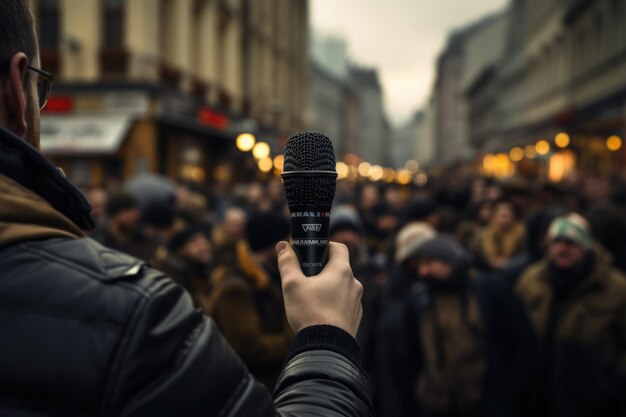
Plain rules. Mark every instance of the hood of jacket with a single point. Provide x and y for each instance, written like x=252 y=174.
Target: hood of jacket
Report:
x=24 y=215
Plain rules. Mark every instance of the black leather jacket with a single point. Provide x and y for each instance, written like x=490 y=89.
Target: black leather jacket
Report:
x=89 y=331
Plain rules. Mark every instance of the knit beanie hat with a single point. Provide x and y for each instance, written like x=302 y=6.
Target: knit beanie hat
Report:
x=447 y=250
x=345 y=217
x=572 y=227
x=266 y=229
x=410 y=239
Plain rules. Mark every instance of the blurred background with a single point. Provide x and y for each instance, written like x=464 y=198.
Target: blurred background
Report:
x=530 y=88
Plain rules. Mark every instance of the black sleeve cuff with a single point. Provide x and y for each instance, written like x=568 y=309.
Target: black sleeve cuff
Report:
x=326 y=337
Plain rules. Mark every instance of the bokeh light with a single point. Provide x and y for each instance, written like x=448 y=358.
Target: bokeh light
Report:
x=245 y=142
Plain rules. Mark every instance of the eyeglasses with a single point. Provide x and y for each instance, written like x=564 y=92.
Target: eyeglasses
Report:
x=44 y=84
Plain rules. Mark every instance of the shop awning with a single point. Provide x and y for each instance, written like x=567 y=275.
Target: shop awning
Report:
x=83 y=134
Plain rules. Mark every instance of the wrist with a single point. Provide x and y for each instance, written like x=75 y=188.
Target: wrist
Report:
x=326 y=337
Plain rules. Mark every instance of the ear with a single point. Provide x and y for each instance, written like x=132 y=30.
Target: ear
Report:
x=14 y=96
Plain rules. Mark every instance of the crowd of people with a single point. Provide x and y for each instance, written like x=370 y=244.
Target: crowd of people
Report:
x=481 y=297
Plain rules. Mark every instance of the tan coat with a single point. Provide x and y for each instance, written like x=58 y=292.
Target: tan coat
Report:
x=249 y=311
x=589 y=352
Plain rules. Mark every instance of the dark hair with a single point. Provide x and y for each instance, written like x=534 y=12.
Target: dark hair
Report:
x=517 y=212
x=17 y=33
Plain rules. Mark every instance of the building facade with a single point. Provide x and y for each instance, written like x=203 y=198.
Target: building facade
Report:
x=164 y=85
x=561 y=81
x=373 y=132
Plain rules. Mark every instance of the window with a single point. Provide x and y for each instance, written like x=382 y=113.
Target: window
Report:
x=49 y=28
x=113 y=24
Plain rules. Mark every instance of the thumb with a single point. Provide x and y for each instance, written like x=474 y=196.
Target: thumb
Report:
x=288 y=263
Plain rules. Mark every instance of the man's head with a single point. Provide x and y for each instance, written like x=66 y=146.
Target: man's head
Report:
x=504 y=215
x=346 y=227
x=192 y=244
x=263 y=231
x=123 y=215
x=570 y=241
x=19 y=109
x=441 y=258
x=234 y=223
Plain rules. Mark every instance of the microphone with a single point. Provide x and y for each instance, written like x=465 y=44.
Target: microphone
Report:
x=309 y=178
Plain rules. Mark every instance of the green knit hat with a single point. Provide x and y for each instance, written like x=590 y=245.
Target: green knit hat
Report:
x=572 y=227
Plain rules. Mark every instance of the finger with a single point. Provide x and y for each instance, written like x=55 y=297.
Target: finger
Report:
x=338 y=253
x=287 y=259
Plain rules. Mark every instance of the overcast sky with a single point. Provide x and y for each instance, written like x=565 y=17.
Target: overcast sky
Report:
x=401 y=38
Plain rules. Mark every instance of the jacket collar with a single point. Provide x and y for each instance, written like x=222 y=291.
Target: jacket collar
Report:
x=25 y=165
x=597 y=279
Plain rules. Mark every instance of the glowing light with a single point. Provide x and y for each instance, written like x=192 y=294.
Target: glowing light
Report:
x=265 y=164
x=516 y=154
x=412 y=165
x=613 y=143
x=353 y=173
x=560 y=165
x=389 y=174
x=421 y=179
x=261 y=150
x=542 y=147
x=198 y=174
x=530 y=151
x=364 y=169
x=404 y=176
x=342 y=170
x=376 y=173
x=245 y=142
x=279 y=161
x=562 y=140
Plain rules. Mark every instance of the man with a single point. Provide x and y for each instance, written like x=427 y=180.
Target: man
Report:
x=87 y=330
x=246 y=302
x=188 y=260
x=121 y=229
x=465 y=338
x=577 y=303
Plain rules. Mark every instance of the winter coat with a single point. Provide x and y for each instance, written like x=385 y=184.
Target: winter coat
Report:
x=470 y=350
x=249 y=311
x=583 y=341
x=90 y=331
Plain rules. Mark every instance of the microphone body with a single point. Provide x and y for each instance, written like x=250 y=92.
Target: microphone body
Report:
x=310 y=234
x=309 y=179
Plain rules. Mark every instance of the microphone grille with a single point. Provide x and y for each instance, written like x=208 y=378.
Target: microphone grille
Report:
x=309 y=152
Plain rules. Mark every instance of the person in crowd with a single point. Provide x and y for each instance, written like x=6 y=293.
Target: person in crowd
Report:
x=608 y=224
x=577 y=303
x=469 y=343
x=346 y=228
x=368 y=198
x=502 y=238
x=386 y=222
x=88 y=330
x=246 y=302
x=535 y=244
x=160 y=222
x=469 y=231
x=122 y=228
x=422 y=209
x=392 y=382
x=188 y=261
x=97 y=197
x=229 y=231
